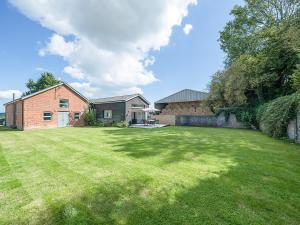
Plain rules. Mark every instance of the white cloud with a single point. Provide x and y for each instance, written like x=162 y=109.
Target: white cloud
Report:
x=40 y=69
x=8 y=94
x=74 y=72
x=187 y=29
x=106 y=43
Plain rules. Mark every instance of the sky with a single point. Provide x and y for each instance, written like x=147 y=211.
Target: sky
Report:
x=106 y=48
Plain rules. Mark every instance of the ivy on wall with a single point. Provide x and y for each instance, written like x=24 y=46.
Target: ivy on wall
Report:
x=245 y=115
x=275 y=116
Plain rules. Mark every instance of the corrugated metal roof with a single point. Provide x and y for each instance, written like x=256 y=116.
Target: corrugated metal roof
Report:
x=123 y=98
x=185 y=95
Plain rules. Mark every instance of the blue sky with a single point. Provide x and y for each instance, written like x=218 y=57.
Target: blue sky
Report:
x=188 y=61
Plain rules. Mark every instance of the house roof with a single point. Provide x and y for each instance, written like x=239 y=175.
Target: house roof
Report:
x=186 y=95
x=47 y=89
x=123 y=98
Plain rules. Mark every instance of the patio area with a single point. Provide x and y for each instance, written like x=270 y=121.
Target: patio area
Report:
x=148 y=126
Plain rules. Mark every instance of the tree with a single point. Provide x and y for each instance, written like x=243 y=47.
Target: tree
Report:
x=46 y=80
x=262 y=46
x=242 y=35
x=296 y=78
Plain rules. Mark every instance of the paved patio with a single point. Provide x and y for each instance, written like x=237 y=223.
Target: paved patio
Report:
x=150 y=126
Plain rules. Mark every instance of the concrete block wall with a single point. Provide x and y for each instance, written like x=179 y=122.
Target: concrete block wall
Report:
x=293 y=130
x=209 y=121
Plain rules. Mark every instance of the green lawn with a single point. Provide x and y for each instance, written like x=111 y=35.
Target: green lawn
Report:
x=174 y=175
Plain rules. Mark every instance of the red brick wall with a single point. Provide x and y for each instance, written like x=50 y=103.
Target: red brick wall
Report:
x=48 y=101
x=9 y=110
x=19 y=115
x=9 y=115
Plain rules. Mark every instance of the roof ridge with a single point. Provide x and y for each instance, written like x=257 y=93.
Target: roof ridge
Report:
x=183 y=98
x=47 y=89
x=117 y=96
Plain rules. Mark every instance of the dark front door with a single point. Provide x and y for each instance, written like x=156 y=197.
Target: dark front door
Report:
x=134 y=120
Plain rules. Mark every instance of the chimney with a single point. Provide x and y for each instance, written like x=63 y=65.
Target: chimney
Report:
x=13 y=96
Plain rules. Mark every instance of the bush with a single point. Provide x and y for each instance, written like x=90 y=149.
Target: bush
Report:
x=245 y=115
x=90 y=117
x=122 y=124
x=275 y=115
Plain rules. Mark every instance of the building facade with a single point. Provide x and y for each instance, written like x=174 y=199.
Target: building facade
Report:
x=127 y=108
x=56 y=106
x=186 y=102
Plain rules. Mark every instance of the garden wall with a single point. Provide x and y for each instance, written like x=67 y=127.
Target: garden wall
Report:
x=166 y=119
x=209 y=121
x=293 y=130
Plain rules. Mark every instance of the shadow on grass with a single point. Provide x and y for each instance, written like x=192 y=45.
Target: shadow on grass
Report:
x=3 y=128
x=176 y=145
x=261 y=188
x=229 y=198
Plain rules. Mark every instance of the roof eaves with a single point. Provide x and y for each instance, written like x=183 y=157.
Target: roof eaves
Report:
x=104 y=102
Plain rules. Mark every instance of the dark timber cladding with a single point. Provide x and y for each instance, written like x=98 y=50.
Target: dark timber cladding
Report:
x=118 y=109
x=121 y=108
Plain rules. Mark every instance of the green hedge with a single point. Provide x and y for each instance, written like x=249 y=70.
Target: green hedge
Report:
x=275 y=116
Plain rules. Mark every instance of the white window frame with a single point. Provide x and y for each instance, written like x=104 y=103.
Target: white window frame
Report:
x=79 y=114
x=65 y=104
x=107 y=114
x=137 y=106
x=49 y=117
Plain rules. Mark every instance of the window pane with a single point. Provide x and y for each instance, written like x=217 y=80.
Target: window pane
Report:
x=137 y=106
x=107 y=114
x=77 y=116
x=47 y=116
x=64 y=103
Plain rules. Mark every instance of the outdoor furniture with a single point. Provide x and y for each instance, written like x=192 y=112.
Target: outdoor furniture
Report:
x=151 y=121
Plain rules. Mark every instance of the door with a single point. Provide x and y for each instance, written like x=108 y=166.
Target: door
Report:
x=63 y=119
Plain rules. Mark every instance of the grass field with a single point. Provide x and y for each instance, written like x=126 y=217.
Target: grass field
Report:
x=174 y=175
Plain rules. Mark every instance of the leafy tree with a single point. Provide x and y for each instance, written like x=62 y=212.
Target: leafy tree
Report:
x=296 y=78
x=262 y=46
x=242 y=35
x=216 y=97
x=46 y=80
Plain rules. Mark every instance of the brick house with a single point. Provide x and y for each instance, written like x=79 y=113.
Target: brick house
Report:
x=186 y=102
x=56 y=106
x=127 y=108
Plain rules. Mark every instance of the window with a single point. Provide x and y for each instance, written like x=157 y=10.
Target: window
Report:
x=47 y=115
x=77 y=115
x=107 y=114
x=64 y=103
x=136 y=106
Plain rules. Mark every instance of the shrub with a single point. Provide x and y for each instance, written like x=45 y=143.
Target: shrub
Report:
x=90 y=117
x=122 y=124
x=275 y=115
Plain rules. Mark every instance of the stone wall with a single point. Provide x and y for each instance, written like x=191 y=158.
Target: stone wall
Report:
x=186 y=108
x=166 y=119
